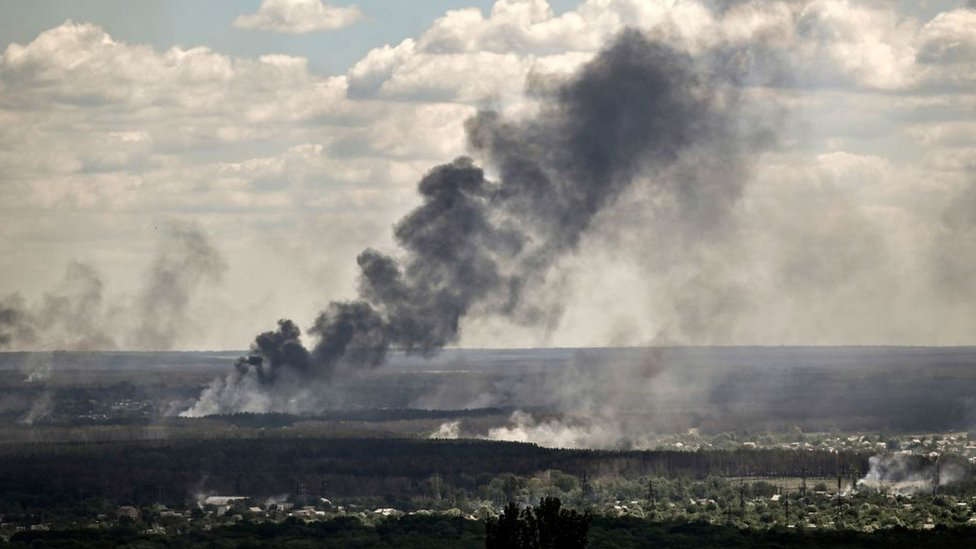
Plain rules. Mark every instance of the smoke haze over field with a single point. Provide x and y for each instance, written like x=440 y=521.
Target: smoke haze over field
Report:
x=640 y=110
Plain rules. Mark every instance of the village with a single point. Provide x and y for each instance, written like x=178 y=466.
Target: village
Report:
x=928 y=444
x=808 y=503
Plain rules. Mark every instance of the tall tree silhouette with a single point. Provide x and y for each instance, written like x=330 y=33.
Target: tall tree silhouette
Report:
x=547 y=526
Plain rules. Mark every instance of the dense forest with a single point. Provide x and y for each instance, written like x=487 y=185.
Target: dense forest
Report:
x=52 y=475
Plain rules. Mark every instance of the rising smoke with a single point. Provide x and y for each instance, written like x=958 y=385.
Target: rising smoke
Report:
x=68 y=317
x=15 y=326
x=77 y=316
x=619 y=399
x=910 y=474
x=639 y=111
x=184 y=263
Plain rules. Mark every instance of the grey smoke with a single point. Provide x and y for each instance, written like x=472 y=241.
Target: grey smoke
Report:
x=185 y=262
x=954 y=271
x=68 y=317
x=639 y=111
x=15 y=324
x=77 y=315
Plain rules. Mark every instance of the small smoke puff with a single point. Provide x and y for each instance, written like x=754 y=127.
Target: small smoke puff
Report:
x=40 y=409
x=37 y=367
x=448 y=430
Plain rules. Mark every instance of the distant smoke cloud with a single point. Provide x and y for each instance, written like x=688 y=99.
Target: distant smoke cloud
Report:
x=639 y=110
x=561 y=433
x=71 y=316
x=15 y=324
x=40 y=409
x=953 y=253
x=184 y=263
x=77 y=316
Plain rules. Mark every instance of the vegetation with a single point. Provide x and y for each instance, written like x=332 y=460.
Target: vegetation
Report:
x=438 y=531
x=46 y=476
x=101 y=463
x=545 y=526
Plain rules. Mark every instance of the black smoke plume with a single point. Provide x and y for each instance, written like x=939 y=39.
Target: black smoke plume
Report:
x=478 y=245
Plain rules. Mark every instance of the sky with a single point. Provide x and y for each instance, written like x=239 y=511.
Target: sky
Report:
x=218 y=165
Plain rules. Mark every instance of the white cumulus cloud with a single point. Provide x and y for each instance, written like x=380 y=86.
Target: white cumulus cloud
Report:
x=298 y=16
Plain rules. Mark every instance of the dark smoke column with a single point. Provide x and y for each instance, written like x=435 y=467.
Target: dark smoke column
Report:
x=478 y=246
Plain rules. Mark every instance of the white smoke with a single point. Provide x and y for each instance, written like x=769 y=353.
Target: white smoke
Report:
x=550 y=432
x=243 y=392
x=625 y=400
x=908 y=474
x=40 y=409
x=36 y=368
x=240 y=393
x=276 y=500
x=595 y=433
x=448 y=430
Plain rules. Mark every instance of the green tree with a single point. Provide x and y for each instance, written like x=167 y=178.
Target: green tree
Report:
x=547 y=526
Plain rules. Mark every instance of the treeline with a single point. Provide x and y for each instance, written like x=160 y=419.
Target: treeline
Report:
x=435 y=532
x=35 y=476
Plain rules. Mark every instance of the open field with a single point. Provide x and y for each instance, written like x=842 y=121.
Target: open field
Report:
x=662 y=390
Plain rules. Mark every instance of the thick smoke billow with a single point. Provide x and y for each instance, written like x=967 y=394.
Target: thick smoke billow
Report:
x=639 y=111
x=77 y=315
